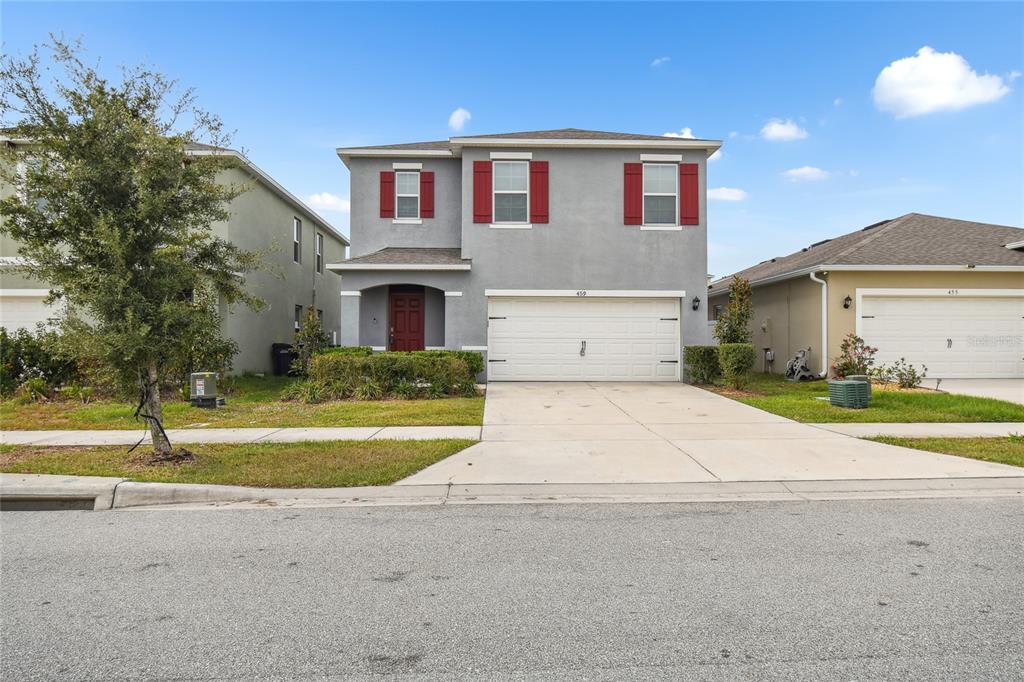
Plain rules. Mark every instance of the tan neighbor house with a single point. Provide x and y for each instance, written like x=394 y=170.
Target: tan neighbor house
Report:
x=945 y=293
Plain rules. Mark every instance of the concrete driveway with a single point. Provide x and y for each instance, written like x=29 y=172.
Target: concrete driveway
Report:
x=1001 y=389
x=667 y=432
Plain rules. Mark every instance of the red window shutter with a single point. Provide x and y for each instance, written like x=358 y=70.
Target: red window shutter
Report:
x=387 y=194
x=689 y=195
x=427 y=194
x=538 y=191
x=633 y=199
x=482 y=183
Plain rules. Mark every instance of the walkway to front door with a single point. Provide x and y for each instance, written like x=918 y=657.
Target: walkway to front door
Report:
x=667 y=433
x=405 y=318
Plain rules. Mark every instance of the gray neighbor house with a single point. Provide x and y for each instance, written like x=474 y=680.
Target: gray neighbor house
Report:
x=562 y=255
x=296 y=244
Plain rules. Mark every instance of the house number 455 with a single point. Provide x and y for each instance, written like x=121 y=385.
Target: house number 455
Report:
x=581 y=293
x=954 y=292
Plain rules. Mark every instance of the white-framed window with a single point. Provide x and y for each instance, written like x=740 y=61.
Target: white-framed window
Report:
x=319 y=247
x=407 y=195
x=511 y=192
x=296 y=240
x=298 y=317
x=661 y=193
x=320 y=316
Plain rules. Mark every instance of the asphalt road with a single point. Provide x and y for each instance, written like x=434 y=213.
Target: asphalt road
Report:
x=801 y=591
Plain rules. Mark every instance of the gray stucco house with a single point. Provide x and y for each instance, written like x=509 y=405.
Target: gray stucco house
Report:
x=563 y=255
x=296 y=243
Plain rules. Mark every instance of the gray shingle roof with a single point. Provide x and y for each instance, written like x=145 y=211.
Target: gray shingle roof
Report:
x=410 y=256
x=557 y=134
x=913 y=239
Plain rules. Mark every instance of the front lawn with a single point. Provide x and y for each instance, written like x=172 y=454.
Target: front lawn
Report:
x=798 y=401
x=254 y=402
x=1007 y=450
x=323 y=464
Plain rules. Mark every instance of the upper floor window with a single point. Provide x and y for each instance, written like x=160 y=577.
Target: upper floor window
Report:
x=319 y=246
x=407 y=195
x=296 y=240
x=511 y=191
x=661 y=193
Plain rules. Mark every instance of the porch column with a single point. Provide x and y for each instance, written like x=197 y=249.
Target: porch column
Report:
x=453 y=313
x=349 y=335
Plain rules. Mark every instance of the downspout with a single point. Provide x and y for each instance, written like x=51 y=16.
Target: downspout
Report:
x=824 y=323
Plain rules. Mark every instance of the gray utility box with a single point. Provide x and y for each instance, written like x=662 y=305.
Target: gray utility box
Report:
x=203 y=389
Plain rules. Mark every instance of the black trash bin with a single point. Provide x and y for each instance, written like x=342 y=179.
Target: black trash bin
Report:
x=282 y=356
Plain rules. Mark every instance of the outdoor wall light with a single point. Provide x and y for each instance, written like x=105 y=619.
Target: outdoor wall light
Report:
x=696 y=302
x=847 y=302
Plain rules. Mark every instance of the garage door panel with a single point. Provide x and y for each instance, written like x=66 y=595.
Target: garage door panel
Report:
x=962 y=337
x=540 y=339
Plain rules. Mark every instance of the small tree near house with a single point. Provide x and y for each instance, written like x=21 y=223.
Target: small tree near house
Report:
x=116 y=217
x=310 y=339
x=733 y=324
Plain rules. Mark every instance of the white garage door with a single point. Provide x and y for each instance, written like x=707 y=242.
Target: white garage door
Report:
x=955 y=336
x=20 y=310
x=583 y=339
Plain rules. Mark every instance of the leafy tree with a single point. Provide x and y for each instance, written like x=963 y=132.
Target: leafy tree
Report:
x=116 y=217
x=733 y=325
x=310 y=339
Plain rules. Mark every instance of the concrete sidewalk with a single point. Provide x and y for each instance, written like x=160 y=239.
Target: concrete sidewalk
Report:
x=926 y=430
x=36 y=491
x=192 y=436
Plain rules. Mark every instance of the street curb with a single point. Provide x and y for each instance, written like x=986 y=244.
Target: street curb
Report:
x=121 y=494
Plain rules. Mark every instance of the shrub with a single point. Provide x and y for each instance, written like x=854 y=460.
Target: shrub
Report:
x=855 y=357
x=310 y=339
x=361 y=351
x=702 y=366
x=733 y=324
x=736 y=360
x=901 y=373
x=432 y=374
x=25 y=355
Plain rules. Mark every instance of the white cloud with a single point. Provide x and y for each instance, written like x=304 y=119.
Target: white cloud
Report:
x=325 y=201
x=934 y=81
x=778 y=130
x=733 y=134
x=661 y=61
x=685 y=133
x=726 y=194
x=717 y=156
x=458 y=118
x=806 y=173
x=837 y=102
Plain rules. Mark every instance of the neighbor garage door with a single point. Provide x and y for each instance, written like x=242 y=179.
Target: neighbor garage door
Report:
x=24 y=309
x=583 y=339
x=954 y=335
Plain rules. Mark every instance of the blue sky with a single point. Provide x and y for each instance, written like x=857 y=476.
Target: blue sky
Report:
x=942 y=133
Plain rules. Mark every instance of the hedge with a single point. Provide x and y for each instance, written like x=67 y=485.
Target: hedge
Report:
x=361 y=351
x=419 y=374
x=702 y=366
x=736 y=360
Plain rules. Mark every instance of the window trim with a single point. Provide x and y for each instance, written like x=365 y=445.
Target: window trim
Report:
x=298 y=317
x=296 y=240
x=318 y=250
x=412 y=220
x=644 y=194
x=523 y=224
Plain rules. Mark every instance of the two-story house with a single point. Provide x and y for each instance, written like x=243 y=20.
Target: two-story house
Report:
x=563 y=255
x=296 y=245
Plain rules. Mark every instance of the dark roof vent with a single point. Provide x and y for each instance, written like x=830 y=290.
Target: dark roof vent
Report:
x=874 y=225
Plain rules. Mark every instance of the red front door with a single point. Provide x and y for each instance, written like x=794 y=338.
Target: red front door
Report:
x=405 y=319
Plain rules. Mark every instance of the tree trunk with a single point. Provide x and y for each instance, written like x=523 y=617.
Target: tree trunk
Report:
x=161 y=446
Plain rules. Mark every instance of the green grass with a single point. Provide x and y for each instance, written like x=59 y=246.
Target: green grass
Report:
x=793 y=400
x=323 y=464
x=253 y=402
x=1007 y=450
